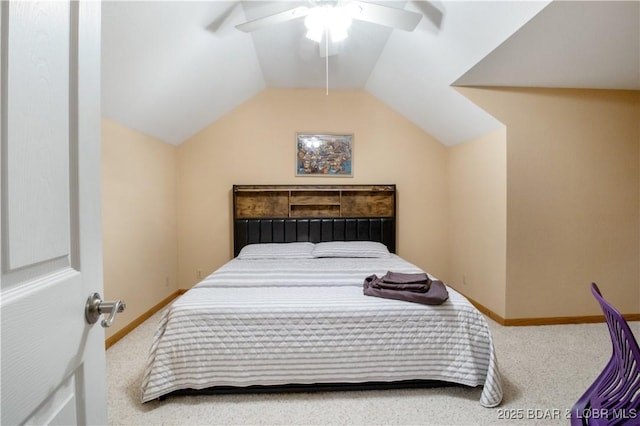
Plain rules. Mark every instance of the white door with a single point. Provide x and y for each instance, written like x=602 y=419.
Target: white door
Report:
x=53 y=362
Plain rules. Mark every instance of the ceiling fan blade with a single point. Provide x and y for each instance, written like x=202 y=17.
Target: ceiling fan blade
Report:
x=431 y=12
x=276 y=18
x=215 y=25
x=387 y=16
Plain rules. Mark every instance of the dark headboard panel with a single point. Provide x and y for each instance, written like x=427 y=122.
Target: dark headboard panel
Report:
x=252 y=231
x=313 y=213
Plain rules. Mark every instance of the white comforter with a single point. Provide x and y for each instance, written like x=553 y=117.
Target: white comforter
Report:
x=271 y=322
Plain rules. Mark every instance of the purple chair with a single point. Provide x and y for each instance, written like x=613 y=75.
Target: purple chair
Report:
x=614 y=397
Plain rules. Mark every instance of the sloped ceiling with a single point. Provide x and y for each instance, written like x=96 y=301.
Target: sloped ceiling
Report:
x=595 y=45
x=169 y=69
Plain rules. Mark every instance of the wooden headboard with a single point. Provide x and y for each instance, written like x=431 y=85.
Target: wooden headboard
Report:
x=314 y=213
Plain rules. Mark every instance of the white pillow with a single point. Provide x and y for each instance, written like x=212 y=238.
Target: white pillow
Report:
x=350 y=249
x=276 y=251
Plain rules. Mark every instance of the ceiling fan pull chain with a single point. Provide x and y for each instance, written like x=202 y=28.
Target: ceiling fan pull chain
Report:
x=326 y=57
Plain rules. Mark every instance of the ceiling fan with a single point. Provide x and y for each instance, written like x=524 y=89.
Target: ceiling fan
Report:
x=326 y=17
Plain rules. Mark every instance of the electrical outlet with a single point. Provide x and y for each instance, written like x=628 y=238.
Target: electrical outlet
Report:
x=199 y=274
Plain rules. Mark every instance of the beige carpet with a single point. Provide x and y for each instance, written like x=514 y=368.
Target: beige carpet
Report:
x=544 y=370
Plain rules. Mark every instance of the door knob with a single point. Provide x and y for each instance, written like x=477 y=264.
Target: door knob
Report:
x=96 y=306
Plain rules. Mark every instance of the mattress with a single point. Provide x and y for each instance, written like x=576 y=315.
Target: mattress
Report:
x=278 y=321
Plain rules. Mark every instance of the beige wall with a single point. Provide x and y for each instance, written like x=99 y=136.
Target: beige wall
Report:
x=254 y=144
x=572 y=198
x=477 y=192
x=139 y=220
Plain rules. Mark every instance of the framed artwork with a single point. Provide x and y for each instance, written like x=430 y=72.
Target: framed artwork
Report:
x=324 y=155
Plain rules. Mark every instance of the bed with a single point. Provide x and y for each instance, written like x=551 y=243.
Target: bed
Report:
x=289 y=310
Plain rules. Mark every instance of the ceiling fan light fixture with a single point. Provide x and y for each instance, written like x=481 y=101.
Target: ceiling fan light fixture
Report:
x=335 y=20
x=338 y=23
x=315 y=34
x=315 y=24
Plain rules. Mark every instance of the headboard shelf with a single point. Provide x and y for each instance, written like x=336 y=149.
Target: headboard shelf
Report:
x=287 y=213
x=271 y=188
x=281 y=201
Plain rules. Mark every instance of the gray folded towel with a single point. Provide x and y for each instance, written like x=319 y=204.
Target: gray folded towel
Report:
x=405 y=278
x=400 y=281
x=435 y=295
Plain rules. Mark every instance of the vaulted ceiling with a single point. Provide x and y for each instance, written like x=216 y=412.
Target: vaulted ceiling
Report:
x=169 y=69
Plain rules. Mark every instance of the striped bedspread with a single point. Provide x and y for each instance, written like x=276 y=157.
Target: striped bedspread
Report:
x=273 y=322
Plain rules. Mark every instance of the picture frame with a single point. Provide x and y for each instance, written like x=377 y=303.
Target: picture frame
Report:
x=326 y=154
